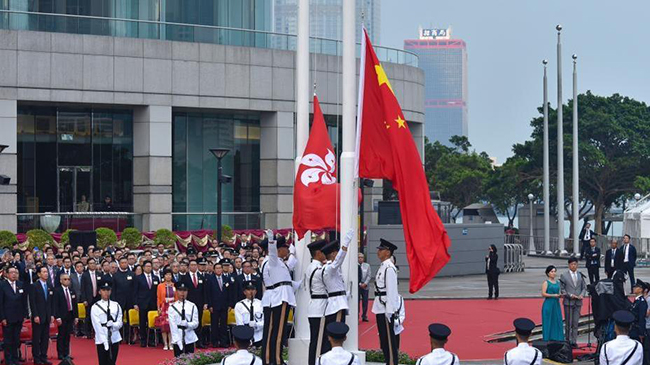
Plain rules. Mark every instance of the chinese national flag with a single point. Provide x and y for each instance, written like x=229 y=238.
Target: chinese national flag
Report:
x=387 y=151
x=315 y=190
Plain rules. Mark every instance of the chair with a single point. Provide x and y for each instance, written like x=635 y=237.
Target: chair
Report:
x=151 y=325
x=134 y=321
x=206 y=318
x=231 y=322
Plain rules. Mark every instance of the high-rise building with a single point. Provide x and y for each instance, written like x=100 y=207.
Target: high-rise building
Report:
x=444 y=61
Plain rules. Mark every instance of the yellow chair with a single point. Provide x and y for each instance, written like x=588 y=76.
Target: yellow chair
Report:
x=205 y=318
x=151 y=325
x=232 y=320
x=290 y=317
x=134 y=318
x=82 y=310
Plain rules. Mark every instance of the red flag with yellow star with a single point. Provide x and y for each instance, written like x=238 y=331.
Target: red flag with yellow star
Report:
x=387 y=151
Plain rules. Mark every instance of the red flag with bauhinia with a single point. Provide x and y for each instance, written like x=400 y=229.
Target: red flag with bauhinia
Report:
x=387 y=151
x=315 y=190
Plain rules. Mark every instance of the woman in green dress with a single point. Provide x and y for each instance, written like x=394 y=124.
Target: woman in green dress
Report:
x=552 y=329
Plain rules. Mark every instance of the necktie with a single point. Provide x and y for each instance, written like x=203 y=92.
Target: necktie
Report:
x=94 y=281
x=194 y=280
x=52 y=276
x=149 y=281
x=219 y=280
x=44 y=290
x=67 y=299
x=13 y=286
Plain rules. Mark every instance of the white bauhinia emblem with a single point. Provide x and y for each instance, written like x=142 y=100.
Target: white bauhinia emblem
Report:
x=318 y=169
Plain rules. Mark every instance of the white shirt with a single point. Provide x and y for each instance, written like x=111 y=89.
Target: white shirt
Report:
x=100 y=319
x=587 y=236
x=523 y=354
x=386 y=281
x=275 y=271
x=317 y=306
x=627 y=253
x=401 y=317
x=175 y=318
x=366 y=273
x=243 y=316
x=241 y=357
x=613 y=257
x=334 y=282
x=439 y=357
x=617 y=350
x=337 y=356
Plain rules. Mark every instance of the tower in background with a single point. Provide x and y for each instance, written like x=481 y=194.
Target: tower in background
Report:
x=444 y=61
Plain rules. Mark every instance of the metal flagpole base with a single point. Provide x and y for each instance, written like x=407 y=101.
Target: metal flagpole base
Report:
x=548 y=253
x=564 y=253
x=298 y=351
x=361 y=355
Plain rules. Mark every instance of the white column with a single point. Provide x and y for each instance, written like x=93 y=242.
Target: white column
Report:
x=9 y=164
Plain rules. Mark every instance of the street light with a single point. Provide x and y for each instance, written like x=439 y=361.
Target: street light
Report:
x=531 y=245
x=363 y=183
x=220 y=153
x=637 y=196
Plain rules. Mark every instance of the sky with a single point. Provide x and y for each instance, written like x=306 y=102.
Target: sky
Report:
x=506 y=43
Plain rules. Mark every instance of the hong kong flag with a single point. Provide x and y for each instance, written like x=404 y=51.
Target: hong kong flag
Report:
x=386 y=150
x=315 y=193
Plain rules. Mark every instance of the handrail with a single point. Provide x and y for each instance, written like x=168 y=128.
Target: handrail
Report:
x=214 y=27
x=215 y=213
x=78 y=213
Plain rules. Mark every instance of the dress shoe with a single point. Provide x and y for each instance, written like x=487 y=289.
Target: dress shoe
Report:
x=143 y=345
x=364 y=319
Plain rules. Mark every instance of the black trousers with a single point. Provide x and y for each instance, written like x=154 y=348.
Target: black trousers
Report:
x=336 y=317
x=387 y=340
x=144 y=320
x=317 y=336
x=40 y=340
x=493 y=284
x=609 y=273
x=108 y=357
x=629 y=269
x=584 y=248
x=219 y=330
x=594 y=275
x=275 y=325
x=88 y=323
x=187 y=349
x=363 y=298
x=63 y=338
x=11 y=333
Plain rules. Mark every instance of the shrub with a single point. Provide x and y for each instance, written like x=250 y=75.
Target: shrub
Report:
x=227 y=234
x=39 y=238
x=166 y=237
x=210 y=357
x=378 y=356
x=132 y=237
x=105 y=237
x=65 y=237
x=7 y=239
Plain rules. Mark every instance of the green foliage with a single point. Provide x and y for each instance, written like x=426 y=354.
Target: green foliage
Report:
x=166 y=237
x=132 y=237
x=65 y=237
x=105 y=237
x=508 y=186
x=39 y=238
x=7 y=239
x=226 y=233
x=642 y=184
x=212 y=357
x=378 y=356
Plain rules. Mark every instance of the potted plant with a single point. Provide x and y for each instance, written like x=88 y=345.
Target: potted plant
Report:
x=65 y=237
x=166 y=237
x=39 y=238
x=132 y=237
x=105 y=237
x=7 y=239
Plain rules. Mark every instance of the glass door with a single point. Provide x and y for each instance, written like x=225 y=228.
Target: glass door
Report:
x=66 y=189
x=75 y=188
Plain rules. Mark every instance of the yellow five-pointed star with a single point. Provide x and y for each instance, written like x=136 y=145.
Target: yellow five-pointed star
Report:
x=400 y=122
x=382 y=78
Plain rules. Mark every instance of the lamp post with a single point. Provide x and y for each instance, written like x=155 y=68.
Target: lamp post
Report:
x=363 y=183
x=220 y=153
x=531 y=245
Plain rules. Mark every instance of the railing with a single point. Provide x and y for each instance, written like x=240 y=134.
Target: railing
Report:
x=513 y=260
x=189 y=221
x=642 y=245
x=83 y=221
x=152 y=29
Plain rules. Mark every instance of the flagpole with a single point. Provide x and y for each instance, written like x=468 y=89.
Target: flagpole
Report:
x=576 y=168
x=560 y=149
x=547 y=193
x=348 y=182
x=299 y=345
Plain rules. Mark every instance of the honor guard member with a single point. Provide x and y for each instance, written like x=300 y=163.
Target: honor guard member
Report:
x=318 y=343
x=386 y=303
x=248 y=312
x=106 y=317
x=639 y=310
x=337 y=301
x=398 y=325
x=439 y=333
x=183 y=320
x=523 y=354
x=336 y=335
x=622 y=350
x=242 y=336
x=277 y=300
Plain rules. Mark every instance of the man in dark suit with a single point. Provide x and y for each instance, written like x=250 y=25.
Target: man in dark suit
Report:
x=75 y=284
x=123 y=289
x=628 y=252
x=218 y=300
x=145 y=296
x=66 y=313
x=592 y=255
x=13 y=310
x=67 y=269
x=90 y=292
x=52 y=271
x=41 y=301
x=613 y=259
x=195 y=283
x=247 y=275
x=585 y=236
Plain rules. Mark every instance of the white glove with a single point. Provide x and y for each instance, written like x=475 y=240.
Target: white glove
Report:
x=252 y=324
x=270 y=235
x=110 y=324
x=349 y=235
x=183 y=323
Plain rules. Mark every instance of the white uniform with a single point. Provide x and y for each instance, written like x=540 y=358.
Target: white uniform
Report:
x=338 y=356
x=336 y=291
x=386 y=294
x=249 y=313
x=101 y=324
x=617 y=350
x=241 y=357
x=523 y=354
x=191 y=322
x=317 y=290
x=439 y=357
x=277 y=280
x=401 y=317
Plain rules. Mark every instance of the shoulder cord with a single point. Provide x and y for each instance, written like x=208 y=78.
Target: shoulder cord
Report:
x=636 y=345
x=311 y=278
x=351 y=359
x=535 y=358
x=383 y=302
x=264 y=265
x=453 y=358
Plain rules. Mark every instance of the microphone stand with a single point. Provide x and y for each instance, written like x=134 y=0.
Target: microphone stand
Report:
x=567 y=315
x=588 y=314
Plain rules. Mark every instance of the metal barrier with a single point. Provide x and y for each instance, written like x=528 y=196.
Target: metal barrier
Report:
x=513 y=260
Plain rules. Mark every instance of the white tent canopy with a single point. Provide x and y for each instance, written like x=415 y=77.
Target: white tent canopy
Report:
x=636 y=219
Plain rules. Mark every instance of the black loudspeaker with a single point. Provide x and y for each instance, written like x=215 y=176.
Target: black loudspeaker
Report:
x=66 y=361
x=83 y=239
x=541 y=346
x=559 y=351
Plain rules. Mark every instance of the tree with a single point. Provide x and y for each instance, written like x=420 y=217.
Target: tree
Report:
x=506 y=188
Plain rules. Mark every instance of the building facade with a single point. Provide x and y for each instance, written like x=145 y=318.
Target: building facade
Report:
x=124 y=123
x=444 y=62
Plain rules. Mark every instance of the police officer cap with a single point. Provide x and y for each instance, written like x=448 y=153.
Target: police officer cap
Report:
x=330 y=247
x=623 y=318
x=105 y=285
x=337 y=330
x=225 y=262
x=282 y=242
x=181 y=286
x=191 y=251
x=202 y=261
x=242 y=333
x=639 y=284
x=316 y=245
x=58 y=256
x=386 y=245
x=249 y=284
x=439 y=331
x=523 y=326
